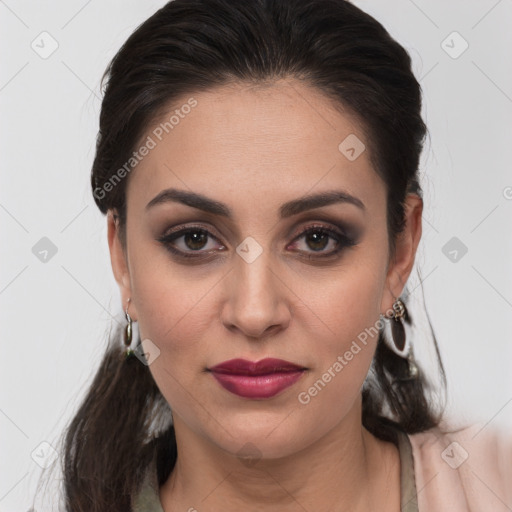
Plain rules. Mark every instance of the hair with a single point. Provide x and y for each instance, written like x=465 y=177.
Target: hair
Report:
x=189 y=46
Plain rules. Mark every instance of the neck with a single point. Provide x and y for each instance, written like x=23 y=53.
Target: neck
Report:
x=347 y=469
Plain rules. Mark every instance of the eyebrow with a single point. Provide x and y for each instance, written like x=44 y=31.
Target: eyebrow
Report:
x=288 y=209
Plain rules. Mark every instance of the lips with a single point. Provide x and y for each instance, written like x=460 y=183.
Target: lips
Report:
x=263 y=367
x=257 y=380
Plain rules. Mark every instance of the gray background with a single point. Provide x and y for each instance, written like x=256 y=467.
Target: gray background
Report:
x=54 y=313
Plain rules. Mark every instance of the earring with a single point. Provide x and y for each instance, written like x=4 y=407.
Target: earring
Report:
x=397 y=326
x=128 y=334
x=397 y=340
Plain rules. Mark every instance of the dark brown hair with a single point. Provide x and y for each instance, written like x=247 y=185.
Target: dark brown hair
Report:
x=193 y=45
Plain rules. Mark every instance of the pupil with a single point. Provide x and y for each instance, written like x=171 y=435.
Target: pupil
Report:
x=316 y=237
x=196 y=238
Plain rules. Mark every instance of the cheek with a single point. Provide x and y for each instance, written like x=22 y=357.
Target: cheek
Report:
x=346 y=302
x=343 y=355
x=172 y=311
x=176 y=314
x=348 y=305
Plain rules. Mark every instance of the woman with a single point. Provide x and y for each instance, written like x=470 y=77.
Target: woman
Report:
x=257 y=163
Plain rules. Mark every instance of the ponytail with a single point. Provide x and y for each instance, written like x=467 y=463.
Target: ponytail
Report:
x=393 y=401
x=111 y=441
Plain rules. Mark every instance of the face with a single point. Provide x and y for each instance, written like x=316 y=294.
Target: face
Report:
x=262 y=273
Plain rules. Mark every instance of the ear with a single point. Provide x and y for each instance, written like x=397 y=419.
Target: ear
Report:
x=400 y=266
x=118 y=259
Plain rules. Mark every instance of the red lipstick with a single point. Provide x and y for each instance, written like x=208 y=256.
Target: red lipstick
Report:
x=261 y=379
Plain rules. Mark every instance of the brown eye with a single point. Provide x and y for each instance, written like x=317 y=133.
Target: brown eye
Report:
x=322 y=240
x=185 y=242
x=195 y=239
x=317 y=240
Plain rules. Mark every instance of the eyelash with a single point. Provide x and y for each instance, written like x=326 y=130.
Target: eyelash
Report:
x=341 y=239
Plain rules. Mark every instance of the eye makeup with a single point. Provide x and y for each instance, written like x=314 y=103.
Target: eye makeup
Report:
x=316 y=240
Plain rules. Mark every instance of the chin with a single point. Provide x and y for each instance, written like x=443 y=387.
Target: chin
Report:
x=255 y=441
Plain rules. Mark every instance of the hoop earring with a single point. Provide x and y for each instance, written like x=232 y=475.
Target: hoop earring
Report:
x=398 y=327
x=128 y=334
x=397 y=340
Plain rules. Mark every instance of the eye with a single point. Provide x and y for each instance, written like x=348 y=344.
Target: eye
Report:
x=185 y=242
x=318 y=238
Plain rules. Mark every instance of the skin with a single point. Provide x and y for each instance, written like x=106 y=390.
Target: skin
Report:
x=255 y=148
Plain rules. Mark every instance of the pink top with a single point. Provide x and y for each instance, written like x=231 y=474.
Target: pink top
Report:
x=466 y=470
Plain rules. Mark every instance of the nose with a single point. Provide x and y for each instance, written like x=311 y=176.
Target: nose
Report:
x=256 y=303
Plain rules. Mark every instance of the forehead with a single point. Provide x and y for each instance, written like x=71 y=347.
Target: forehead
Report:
x=277 y=140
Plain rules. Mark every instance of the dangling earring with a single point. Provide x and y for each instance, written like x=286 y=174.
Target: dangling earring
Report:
x=397 y=326
x=128 y=334
x=398 y=342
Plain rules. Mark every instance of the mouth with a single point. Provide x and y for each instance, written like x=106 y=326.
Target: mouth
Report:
x=257 y=380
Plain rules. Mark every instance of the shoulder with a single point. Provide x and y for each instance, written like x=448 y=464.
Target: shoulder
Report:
x=463 y=469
